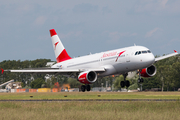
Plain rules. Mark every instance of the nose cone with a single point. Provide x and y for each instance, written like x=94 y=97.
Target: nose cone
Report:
x=149 y=59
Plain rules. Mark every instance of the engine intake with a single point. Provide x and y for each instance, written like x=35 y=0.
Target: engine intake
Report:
x=87 y=77
x=148 y=72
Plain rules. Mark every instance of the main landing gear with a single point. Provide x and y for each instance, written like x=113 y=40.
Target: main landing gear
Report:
x=125 y=82
x=85 y=87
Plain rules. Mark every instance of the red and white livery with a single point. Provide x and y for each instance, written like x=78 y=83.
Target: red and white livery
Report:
x=114 y=62
x=60 y=51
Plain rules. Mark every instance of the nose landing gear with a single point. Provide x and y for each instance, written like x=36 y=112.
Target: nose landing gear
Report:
x=140 y=80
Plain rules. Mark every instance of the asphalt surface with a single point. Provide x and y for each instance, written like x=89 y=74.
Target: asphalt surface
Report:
x=66 y=100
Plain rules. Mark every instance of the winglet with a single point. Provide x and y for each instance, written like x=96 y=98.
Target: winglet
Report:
x=175 y=51
x=2 y=71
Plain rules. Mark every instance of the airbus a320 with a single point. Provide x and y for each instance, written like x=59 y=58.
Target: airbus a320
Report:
x=88 y=68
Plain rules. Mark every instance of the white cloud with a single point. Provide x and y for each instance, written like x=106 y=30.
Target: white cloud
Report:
x=40 y=20
x=71 y=34
x=133 y=34
x=150 y=33
x=157 y=7
x=163 y=2
x=86 y=21
x=25 y=8
x=85 y=8
x=116 y=36
x=106 y=10
x=170 y=43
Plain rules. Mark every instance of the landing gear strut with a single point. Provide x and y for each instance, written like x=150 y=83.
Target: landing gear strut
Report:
x=125 y=82
x=85 y=87
x=140 y=80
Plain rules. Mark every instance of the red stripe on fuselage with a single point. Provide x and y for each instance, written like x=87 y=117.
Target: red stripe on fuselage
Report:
x=119 y=55
x=63 y=56
x=52 y=32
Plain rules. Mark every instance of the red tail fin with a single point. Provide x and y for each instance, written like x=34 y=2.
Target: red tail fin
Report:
x=2 y=71
x=60 y=51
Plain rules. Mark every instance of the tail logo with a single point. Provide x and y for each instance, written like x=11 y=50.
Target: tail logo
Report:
x=56 y=44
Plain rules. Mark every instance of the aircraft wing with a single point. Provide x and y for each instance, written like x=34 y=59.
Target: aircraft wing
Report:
x=55 y=71
x=166 y=56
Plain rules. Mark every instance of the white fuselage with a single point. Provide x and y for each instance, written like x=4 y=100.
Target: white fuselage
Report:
x=116 y=61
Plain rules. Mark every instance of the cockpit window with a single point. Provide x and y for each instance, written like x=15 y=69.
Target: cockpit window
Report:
x=142 y=52
x=136 y=53
x=149 y=51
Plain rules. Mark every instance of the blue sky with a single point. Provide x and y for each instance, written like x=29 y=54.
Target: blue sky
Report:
x=87 y=26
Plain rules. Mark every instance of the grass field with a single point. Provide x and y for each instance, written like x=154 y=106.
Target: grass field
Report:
x=92 y=95
x=91 y=109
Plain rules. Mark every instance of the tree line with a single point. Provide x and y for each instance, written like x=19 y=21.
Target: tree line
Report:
x=167 y=77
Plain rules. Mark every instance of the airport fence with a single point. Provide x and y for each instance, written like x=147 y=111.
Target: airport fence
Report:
x=94 y=89
x=39 y=90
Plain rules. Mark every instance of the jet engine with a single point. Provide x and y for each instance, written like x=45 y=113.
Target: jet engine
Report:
x=148 y=72
x=87 y=77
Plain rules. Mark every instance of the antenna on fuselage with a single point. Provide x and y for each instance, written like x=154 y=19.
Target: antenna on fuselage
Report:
x=134 y=44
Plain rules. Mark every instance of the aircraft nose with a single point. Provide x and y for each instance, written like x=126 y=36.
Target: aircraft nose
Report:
x=149 y=59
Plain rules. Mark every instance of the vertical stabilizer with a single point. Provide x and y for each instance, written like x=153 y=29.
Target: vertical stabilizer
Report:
x=60 y=51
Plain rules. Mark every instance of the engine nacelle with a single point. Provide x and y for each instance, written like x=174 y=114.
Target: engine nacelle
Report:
x=148 y=72
x=87 y=77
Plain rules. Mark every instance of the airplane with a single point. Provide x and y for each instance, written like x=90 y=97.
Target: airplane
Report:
x=114 y=62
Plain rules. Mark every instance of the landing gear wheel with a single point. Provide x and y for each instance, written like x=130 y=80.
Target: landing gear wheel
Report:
x=88 y=87
x=83 y=88
x=140 y=80
x=127 y=83
x=122 y=84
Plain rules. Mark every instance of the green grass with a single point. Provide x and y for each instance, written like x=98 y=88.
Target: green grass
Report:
x=90 y=110
x=91 y=95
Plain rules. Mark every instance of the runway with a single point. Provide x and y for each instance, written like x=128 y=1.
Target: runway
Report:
x=81 y=100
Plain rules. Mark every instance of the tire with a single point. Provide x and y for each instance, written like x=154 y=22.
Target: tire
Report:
x=88 y=87
x=142 y=80
x=122 y=84
x=83 y=88
x=127 y=83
